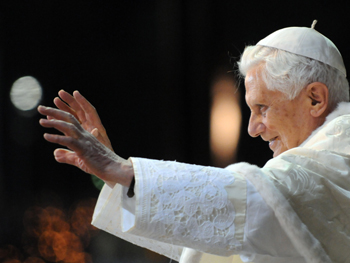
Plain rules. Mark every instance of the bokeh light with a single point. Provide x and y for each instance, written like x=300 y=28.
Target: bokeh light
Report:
x=34 y=260
x=225 y=121
x=26 y=93
x=10 y=253
x=53 y=235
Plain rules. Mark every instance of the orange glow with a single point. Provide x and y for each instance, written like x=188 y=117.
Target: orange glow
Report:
x=225 y=121
x=34 y=260
x=12 y=261
x=10 y=254
x=52 y=236
x=52 y=246
x=36 y=220
x=58 y=221
x=81 y=220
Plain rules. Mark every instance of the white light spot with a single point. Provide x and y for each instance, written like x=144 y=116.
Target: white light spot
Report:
x=26 y=93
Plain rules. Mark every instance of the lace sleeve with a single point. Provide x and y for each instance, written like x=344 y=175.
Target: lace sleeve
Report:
x=189 y=205
x=108 y=217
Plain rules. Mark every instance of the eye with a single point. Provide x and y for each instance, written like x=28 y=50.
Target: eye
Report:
x=262 y=109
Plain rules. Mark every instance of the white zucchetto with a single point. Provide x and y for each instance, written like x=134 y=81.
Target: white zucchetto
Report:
x=306 y=42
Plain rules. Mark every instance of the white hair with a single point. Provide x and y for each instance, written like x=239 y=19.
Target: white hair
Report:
x=290 y=73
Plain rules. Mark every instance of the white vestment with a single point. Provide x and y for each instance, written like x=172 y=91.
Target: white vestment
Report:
x=294 y=209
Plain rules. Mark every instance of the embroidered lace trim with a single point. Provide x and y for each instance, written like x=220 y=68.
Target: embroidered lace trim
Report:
x=185 y=205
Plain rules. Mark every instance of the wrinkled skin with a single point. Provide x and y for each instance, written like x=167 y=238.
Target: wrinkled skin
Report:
x=284 y=123
x=89 y=147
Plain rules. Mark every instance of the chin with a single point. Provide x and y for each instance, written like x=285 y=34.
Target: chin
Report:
x=278 y=152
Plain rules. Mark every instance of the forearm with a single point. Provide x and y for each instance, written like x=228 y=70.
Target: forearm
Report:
x=188 y=205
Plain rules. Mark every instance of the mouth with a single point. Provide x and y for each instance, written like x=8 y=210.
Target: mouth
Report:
x=271 y=141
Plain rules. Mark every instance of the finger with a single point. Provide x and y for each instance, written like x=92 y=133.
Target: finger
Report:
x=67 y=128
x=90 y=111
x=66 y=141
x=54 y=138
x=63 y=106
x=95 y=133
x=71 y=101
x=45 y=111
x=57 y=114
x=98 y=136
x=50 y=118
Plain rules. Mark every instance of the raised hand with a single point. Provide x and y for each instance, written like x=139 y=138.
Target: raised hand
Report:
x=86 y=151
x=85 y=113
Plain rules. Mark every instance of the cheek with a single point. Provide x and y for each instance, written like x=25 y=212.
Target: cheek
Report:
x=291 y=127
x=285 y=114
x=281 y=121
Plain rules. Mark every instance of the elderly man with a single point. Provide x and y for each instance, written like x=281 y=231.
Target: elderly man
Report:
x=294 y=209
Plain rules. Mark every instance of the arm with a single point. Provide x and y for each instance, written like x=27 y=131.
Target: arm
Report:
x=176 y=204
x=199 y=207
x=204 y=208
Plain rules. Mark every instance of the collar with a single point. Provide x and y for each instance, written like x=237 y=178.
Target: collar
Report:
x=343 y=108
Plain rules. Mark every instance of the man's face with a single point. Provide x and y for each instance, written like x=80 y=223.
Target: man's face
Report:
x=284 y=123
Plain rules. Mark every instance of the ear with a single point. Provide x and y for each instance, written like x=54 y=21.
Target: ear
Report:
x=318 y=98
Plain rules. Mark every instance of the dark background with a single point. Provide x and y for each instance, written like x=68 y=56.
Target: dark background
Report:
x=147 y=66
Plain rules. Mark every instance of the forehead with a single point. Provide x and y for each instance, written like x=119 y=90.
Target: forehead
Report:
x=257 y=91
x=255 y=86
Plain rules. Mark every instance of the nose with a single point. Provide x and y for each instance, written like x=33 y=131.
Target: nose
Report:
x=255 y=126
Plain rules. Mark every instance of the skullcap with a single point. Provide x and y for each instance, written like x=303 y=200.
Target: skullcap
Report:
x=306 y=42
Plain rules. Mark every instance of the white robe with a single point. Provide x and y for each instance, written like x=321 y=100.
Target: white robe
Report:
x=294 y=209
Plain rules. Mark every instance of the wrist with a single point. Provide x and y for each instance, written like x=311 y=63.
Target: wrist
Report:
x=128 y=171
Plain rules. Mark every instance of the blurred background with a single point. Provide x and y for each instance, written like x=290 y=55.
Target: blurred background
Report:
x=158 y=74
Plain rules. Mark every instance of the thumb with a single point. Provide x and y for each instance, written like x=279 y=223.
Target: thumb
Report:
x=69 y=157
x=64 y=156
